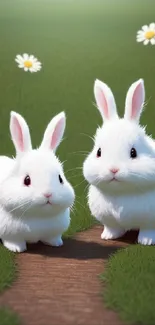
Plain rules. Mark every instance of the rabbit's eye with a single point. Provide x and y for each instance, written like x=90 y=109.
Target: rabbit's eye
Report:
x=99 y=152
x=60 y=180
x=133 y=153
x=27 y=180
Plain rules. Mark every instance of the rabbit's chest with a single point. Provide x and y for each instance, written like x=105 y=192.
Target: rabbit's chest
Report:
x=128 y=211
x=38 y=225
x=34 y=229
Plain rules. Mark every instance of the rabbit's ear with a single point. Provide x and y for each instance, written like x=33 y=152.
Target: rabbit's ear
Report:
x=20 y=133
x=54 y=132
x=135 y=101
x=105 y=100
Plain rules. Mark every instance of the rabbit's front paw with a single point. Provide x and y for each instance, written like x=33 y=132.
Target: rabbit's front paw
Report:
x=146 y=237
x=18 y=247
x=57 y=241
x=112 y=233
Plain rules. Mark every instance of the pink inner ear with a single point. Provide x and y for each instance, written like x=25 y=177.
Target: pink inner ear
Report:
x=57 y=134
x=17 y=130
x=103 y=103
x=137 y=101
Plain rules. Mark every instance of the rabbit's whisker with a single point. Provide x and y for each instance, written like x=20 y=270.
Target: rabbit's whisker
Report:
x=73 y=176
x=87 y=135
x=80 y=203
x=80 y=153
x=138 y=175
x=20 y=206
x=26 y=210
x=79 y=183
x=73 y=209
x=86 y=188
x=72 y=169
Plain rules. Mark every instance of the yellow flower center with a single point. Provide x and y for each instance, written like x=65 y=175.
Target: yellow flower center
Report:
x=27 y=64
x=149 y=34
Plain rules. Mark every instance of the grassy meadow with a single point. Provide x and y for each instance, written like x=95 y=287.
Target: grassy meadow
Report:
x=77 y=41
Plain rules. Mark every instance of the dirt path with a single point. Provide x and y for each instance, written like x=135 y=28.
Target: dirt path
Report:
x=60 y=285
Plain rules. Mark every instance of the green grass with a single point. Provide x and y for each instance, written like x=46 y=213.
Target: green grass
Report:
x=8 y=317
x=129 y=284
x=77 y=42
x=7 y=268
x=7 y=276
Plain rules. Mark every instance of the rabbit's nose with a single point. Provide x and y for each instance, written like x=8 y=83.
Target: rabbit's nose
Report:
x=114 y=170
x=48 y=195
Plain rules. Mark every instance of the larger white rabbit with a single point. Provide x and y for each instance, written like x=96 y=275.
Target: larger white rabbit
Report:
x=35 y=197
x=121 y=168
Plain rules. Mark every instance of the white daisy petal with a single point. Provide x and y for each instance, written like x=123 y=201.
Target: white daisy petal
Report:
x=35 y=60
x=152 y=26
x=32 y=69
x=37 y=65
x=141 y=37
x=139 y=40
x=21 y=65
x=146 y=42
x=25 y=56
x=18 y=61
x=19 y=57
x=25 y=69
x=31 y=57
x=38 y=62
x=145 y=28
x=35 y=68
x=152 y=41
x=140 y=32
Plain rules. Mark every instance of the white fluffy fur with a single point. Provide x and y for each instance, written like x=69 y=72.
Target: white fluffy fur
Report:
x=128 y=201
x=25 y=215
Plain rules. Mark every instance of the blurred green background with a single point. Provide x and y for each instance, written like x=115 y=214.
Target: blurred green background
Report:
x=77 y=41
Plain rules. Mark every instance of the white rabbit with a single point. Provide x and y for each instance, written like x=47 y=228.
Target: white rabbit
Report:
x=35 y=197
x=121 y=168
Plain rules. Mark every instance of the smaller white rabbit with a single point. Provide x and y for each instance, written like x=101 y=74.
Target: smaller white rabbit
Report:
x=121 y=168
x=35 y=196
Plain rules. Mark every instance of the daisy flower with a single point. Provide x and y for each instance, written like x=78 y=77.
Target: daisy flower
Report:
x=147 y=34
x=28 y=62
